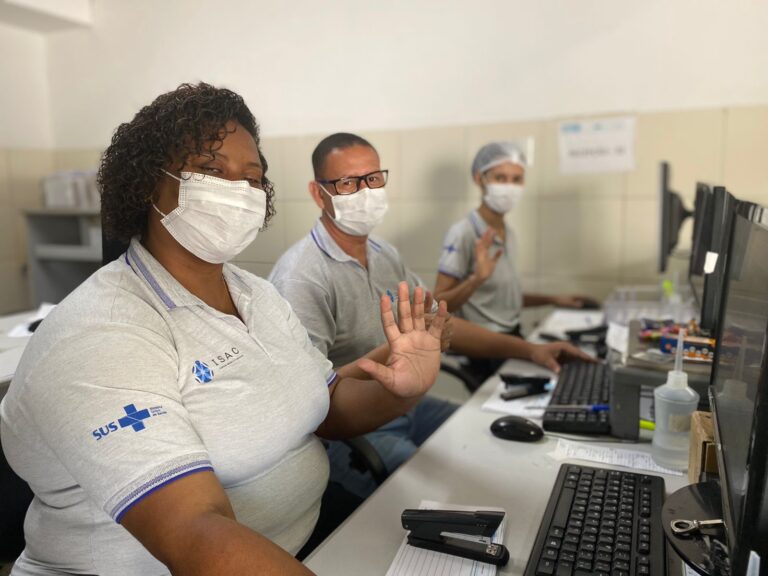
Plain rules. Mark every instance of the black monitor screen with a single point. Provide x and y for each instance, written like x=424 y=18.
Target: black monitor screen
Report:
x=739 y=388
x=673 y=214
x=724 y=205
x=701 y=242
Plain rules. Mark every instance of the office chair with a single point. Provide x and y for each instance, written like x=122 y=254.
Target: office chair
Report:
x=469 y=381
x=16 y=497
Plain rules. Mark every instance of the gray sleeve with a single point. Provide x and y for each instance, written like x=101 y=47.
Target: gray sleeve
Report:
x=456 y=256
x=107 y=403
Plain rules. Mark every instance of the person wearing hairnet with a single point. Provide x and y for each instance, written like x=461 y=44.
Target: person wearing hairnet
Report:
x=477 y=273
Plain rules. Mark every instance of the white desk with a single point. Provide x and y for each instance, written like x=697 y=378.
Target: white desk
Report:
x=11 y=349
x=462 y=463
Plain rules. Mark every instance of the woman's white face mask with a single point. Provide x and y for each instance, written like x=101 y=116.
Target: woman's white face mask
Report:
x=359 y=213
x=216 y=218
x=501 y=198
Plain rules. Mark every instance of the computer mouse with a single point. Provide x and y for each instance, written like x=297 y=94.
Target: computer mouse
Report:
x=516 y=428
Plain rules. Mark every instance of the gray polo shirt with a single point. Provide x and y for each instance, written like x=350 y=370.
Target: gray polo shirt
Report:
x=497 y=303
x=336 y=298
x=133 y=382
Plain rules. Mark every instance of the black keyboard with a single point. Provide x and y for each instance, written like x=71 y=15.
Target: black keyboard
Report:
x=601 y=522
x=583 y=384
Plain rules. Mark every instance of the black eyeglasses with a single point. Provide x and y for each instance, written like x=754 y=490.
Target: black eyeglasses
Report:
x=351 y=184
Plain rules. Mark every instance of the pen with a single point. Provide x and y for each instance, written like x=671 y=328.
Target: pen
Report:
x=587 y=407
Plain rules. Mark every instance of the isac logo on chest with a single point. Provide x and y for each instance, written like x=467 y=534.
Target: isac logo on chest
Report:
x=204 y=371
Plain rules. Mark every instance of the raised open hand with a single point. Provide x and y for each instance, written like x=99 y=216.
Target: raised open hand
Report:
x=485 y=264
x=414 y=358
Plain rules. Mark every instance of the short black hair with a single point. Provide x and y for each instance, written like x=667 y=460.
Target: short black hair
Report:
x=190 y=120
x=337 y=141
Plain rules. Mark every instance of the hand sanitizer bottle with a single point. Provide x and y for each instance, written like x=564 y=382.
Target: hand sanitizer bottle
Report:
x=674 y=403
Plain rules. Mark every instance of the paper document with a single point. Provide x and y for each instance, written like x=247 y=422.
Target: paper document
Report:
x=617 y=338
x=566 y=449
x=560 y=321
x=22 y=330
x=518 y=407
x=9 y=360
x=412 y=561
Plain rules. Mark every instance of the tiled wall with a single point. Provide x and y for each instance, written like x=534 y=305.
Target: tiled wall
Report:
x=585 y=233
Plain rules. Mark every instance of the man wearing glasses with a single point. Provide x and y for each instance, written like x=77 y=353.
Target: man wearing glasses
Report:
x=334 y=278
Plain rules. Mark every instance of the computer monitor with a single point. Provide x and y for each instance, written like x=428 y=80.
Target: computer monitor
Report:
x=673 y=214
x=739 y=392
x=724 y=205
x=701 y=240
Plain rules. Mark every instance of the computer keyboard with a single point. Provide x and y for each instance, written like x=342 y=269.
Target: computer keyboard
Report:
x=601 y=522
x=580 y=384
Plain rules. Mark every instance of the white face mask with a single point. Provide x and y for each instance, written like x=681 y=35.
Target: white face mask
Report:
x=501 y=198
x=359 y=213
x=216 y=218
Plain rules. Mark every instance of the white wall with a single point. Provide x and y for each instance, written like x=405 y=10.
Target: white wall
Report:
x=311 y=67
x=25 y=112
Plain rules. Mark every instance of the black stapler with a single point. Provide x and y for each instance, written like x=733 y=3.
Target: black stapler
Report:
x=429 y=527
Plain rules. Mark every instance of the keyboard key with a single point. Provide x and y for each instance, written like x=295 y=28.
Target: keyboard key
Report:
x=545 y=568
x=564 y=569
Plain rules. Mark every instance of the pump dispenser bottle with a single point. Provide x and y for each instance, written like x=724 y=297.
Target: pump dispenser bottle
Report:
x=674 y=403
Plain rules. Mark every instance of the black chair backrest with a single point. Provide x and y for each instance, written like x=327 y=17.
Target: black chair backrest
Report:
x=15 y=496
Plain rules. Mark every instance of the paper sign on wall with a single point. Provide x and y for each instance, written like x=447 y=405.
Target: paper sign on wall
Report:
x=598 y=145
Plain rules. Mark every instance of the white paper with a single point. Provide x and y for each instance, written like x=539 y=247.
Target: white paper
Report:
x=560 y=321
x=617 y=338
x=520 y=406
x=9 y=360
x=22 y=330
x=598 y=145
x=412 y=561
x=566 y=449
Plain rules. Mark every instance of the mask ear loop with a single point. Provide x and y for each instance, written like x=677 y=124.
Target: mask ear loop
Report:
x=179 y=180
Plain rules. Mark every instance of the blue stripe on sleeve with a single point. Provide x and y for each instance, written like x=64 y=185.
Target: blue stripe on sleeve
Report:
x=158 y=482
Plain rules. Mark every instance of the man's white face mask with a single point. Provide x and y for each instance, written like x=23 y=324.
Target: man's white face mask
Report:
x=216 y=218
x=501 y=198
x=359 y=213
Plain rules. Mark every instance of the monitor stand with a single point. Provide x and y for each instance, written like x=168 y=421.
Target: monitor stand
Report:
x=695 y=502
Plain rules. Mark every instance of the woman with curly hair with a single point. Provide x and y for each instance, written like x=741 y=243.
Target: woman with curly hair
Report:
x=166 y=413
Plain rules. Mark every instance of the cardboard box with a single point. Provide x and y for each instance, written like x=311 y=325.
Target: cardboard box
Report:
x=702 y=455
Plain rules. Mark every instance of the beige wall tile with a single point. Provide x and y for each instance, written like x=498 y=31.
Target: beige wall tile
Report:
x=428 y=276
x=434 y=164
x=580 y=237
x=272 y=149
x=300 y=216
x=691 y=142
x=524 y=220
x=270 y=243
x=746 y=142
x=296 y=168
x=8 y=236
x=26 y=169
x=422 y=229
x=81 y=159
x=261 y=269
x=640 y=242
x=551 y=182
x=14 y=293
x=387 y=144
x=5 y=189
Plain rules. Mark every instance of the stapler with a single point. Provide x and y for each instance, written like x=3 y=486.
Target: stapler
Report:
x=436 y=529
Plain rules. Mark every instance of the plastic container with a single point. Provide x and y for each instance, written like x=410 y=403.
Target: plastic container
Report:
x=628 y=303
x=674 y=403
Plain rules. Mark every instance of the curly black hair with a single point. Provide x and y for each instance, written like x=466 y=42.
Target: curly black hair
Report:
x=188 y=121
